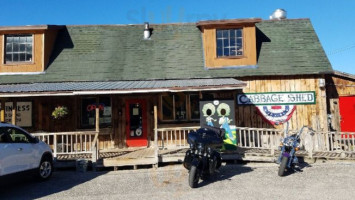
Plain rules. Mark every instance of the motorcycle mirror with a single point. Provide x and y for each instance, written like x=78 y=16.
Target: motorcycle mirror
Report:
x=223 y=133
x=312 y=132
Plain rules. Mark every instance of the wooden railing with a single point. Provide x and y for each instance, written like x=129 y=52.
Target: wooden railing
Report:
x=246 y=137
x=80 y=142
x=334 y=141
x=263 y=138
x=173 y=137
x=258 y=137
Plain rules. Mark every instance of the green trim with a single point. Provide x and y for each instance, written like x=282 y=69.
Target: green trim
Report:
x=263 y=104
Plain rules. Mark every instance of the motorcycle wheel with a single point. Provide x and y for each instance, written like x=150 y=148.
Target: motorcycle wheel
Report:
x=283 y=164
x=219 y=162
x=193 y=176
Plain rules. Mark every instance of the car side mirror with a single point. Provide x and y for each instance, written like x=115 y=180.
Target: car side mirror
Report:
x=34 y=140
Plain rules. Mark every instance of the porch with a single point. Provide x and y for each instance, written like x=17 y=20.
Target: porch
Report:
x=170 y=145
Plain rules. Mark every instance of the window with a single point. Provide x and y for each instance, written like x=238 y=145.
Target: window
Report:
x=229 y=42
x=174 y=107
x=195 y=106
x=88 y=113
x=180 y=107
x=18 y=48
x=8 y=135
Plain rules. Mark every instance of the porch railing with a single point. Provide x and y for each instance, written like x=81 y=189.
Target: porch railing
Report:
x=263 y=138
x=246 y=137
x=174 y=137
x=64 y=143
x=334 y=141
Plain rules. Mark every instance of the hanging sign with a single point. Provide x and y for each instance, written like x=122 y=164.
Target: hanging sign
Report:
x=277 y=114
x=277 y=98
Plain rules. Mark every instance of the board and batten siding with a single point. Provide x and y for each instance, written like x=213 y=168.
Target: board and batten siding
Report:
x=314 y=115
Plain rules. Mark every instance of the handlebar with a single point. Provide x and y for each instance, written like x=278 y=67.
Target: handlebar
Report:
x=301 y=130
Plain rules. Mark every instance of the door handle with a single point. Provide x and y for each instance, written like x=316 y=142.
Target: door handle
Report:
x=19 y=149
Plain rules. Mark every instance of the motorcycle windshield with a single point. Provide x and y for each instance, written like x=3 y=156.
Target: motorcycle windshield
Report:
x=204 y=136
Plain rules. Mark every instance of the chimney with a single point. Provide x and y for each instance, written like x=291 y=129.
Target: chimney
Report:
x=146 y=33
x=279 y=14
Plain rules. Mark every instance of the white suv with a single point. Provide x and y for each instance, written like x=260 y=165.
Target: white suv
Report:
x=20 y=152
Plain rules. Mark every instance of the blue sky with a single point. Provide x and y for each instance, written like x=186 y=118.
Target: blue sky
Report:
x=333 y=20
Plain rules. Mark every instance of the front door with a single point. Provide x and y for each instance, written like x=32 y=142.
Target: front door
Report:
x=347 y=113
x=136 y=123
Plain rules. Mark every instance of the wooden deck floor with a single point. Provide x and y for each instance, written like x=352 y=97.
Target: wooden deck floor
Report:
x=146 y=156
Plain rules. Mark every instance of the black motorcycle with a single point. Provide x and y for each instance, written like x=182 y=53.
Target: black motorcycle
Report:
x=202 y=159
x=289 y=145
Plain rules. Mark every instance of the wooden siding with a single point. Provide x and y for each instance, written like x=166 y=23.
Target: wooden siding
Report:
x=249 y=45
x=336 y=87
x=344 y=87
x=314 y=115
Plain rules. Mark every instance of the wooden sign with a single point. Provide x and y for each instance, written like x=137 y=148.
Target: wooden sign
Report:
x=277 y=98
x=23 y=113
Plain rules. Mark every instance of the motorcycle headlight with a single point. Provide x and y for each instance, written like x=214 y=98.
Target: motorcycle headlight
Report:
x=289 y=142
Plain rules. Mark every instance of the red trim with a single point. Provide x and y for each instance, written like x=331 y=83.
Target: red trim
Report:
x=141 y=141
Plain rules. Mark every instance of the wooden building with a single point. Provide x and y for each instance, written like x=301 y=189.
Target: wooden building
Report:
x=113 y=71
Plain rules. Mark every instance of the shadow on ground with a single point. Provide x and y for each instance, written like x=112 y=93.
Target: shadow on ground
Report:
x=226 y=173
x=299 y=168
x=29 y=188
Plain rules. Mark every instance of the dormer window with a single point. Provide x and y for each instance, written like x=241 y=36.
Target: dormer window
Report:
x=26 y=49
x=18 y=48
x=229 y=42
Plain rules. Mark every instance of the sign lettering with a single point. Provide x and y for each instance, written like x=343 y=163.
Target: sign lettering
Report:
x=277 y=98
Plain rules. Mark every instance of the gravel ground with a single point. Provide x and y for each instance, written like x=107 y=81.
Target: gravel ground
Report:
x=331 y=180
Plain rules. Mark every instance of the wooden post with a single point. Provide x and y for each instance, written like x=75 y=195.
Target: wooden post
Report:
x=2 y=115
x=14 y=108
x=95 y=143
x=156 y=135
x=97 y=121
x=55 y=146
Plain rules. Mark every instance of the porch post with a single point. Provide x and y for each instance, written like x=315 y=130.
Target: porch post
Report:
x=95 y=143
x=14 y=108
x=97 y=112
x=156 y=135
x=2 y=114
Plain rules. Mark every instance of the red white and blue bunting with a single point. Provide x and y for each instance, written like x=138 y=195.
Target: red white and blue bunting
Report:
x=276 y=114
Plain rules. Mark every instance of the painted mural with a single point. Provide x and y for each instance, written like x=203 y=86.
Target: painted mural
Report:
x=219 y=113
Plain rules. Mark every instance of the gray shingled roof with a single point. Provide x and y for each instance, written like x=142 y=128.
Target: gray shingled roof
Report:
x=123 y=86
x=117 y=53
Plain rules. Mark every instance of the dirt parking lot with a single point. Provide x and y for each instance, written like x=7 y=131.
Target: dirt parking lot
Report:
x=330 y=180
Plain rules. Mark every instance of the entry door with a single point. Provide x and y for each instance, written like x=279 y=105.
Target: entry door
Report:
x=136 y=124
x=347 y=113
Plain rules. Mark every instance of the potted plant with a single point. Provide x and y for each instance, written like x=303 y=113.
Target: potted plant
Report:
x=60 y=112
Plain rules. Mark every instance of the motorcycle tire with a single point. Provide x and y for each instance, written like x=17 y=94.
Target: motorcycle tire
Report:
x=283 y=164
x=193 y=176
x=219 y=162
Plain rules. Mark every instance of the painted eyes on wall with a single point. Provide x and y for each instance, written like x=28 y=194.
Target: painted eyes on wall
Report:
x=209 y=109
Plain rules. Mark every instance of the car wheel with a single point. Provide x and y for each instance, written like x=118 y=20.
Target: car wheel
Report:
x=45 y=169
